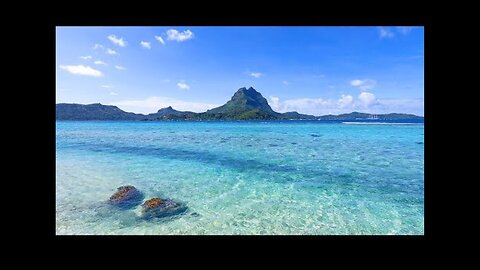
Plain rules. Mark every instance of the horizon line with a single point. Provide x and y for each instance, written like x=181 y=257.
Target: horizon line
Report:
x=98 y=103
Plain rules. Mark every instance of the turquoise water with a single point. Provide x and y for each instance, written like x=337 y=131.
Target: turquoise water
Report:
x=286 y=177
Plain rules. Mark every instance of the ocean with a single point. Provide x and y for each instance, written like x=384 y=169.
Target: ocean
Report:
x=243 y=177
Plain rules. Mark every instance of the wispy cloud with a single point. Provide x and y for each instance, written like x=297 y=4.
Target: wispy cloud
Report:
x=160 y=39
x=82 y=70
x=98 y=46
x=415 y=106
x=86 y=57
x=183 y=85
x=173 y=34
x=145 y=44
x=117 y=41
x=385 y=32
x=98 y=62
x=153 y=104
x=102 y=48
x=404 y=29
x=286 y=82
x=113 y=93
x=110 y=51
x=256 y=74
x=107 y=86
x=120 y=67
x=365 y=102
x=365 y=84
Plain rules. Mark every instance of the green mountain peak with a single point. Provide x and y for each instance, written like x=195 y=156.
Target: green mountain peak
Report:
x=244 y=100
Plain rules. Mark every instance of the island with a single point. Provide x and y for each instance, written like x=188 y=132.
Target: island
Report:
x=245 y=104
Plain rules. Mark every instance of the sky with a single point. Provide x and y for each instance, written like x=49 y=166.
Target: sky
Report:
x=312 y=70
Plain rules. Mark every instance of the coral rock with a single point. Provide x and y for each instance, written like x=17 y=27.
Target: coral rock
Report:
x=157 y=207
x=126 y=196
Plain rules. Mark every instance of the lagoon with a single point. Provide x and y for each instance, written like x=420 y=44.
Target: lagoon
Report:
x=243 y=177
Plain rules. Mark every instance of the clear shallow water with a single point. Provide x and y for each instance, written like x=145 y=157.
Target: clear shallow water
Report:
x=288 y=177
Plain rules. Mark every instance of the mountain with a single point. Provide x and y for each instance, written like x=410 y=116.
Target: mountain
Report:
x=368 y=116
x=170 y=113
x=97 y=111
x=296 y=115
x=245 y=104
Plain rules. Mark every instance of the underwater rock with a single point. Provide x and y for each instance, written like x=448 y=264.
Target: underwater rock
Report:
x=126 y=196
x=157 y=207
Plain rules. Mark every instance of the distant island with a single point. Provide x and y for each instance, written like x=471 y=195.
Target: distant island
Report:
x=246 y=104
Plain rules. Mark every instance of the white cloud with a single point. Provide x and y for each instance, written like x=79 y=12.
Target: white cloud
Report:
x=153 y=104
x=86 y=57
x=286 y=82
x=145 y=44
x=173 y=34
x=364 y=84
x=301 y=105
x=356 y=83
x=113 y=94
x=106 y=50
x=120 y=67
x=183 y=85
x=345 y=101
x=82 y=70
x=274 y=102
x=98 y=46
x=98 y=62
x=365 y=102
x=404 y=29
x=367 y=99
x=117 y=41
x=160 y=39
x=414 y=106
x=107 y=86
x=256 y=74
x=385 y=32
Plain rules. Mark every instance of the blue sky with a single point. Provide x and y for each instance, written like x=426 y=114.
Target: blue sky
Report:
x=314 y=70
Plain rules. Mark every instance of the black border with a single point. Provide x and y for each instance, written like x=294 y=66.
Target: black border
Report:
x=407 y=16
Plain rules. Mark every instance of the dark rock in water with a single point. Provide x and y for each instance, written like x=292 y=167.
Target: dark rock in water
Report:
x=157 y=208
x=419 y=142
x=126 y=197
x=293 y=143
x=195 y=214
x=315 y=135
